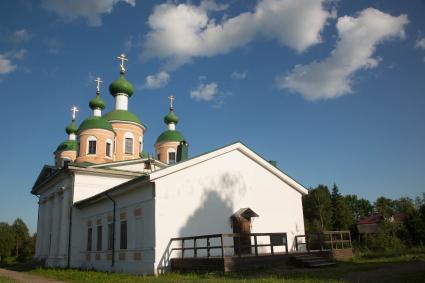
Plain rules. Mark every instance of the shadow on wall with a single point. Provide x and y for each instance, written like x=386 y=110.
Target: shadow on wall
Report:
x=212 y=217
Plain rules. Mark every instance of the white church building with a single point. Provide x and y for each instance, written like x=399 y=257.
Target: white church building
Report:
x=108 y=205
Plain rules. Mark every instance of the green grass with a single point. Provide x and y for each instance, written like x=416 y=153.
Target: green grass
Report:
x=362 y=262
x=6 y=280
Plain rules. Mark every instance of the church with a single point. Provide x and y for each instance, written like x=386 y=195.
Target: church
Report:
x=107 y=205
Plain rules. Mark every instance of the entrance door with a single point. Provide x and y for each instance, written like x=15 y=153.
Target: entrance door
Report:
x=242 y=226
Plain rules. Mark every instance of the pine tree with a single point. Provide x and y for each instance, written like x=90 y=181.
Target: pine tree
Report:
x=342 y=216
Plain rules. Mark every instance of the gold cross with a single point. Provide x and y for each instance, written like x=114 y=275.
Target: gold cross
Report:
x=74 y=111
x=98 y=81
x=123 y=58
x=171 y=101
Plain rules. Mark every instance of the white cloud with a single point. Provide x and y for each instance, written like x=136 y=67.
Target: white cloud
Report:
x=182 y=31
x=54 y=46
x=91 y=10
x=6 y=61
x=358 y=38
x=157 y=81
x=420 y=43
x=21 y=35
x=6 y=65
x=204 y=92
x=238 y=75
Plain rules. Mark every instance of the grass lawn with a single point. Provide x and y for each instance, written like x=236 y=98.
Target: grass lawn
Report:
x=359 y=265
x=6 y=280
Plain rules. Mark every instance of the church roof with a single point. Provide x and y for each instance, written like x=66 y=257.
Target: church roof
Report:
x=170 y=135
x=121 y=85
x=95 y=122
x=67 y=145
x=200 y=159
x=122 y=115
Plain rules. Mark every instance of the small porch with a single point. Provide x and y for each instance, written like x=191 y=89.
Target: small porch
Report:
x=236 y=251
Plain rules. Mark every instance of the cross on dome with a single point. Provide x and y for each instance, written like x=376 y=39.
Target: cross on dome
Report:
x=171 y=98
x=123 y=58
x=74 y=111
x=98 y=81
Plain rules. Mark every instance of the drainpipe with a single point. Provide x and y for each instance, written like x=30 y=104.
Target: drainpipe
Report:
x=113 y=229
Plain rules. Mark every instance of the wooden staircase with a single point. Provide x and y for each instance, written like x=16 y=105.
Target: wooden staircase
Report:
x=311 y=260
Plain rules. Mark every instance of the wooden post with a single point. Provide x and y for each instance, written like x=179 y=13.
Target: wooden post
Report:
x=208 y=247
x=307 y=246
x=320 y=241
x=182 y=248
x=332 y=244
x=286 y=243
x=296 y=243
x=239 y=245
x=195 y=251
x=255 y=247
x=271 y=245
x=222 y=246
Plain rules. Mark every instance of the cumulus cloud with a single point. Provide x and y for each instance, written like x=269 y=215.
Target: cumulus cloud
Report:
x=179 y=32
x=6 y=61
x=358 y=38
x=91 y=10
x=238 y=75
x=205 y=92
x=157 y=81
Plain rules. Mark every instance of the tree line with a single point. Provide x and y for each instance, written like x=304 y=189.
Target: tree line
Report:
x=15 y=240
x=326 y=209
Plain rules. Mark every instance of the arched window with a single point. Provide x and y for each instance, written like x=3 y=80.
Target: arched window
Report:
x=171 y=156
x=91 y=145
x=65 y=162
x=128 y=143
x=108 y=148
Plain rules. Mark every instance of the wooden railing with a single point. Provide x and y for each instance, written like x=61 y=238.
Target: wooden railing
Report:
x=326 y=240
x=239 y=247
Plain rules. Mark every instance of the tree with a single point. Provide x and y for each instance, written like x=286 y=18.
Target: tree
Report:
x=21 y=234
x=342 y=215
x=317 y=209
x=7 y=241
x=360 y=207
x=384 y=206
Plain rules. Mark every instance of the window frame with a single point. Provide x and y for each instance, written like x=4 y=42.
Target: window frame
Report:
x=108 y=143
x=91 y=140
x=99 y=238
x=89 y=243
x=123 y=234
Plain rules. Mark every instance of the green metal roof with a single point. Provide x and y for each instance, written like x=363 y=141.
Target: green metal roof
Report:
x=71 y=128
x=122 y=115
x=171 y=118
x=170 y=135
x=94 y=122
x=121 y=85
x=97 y=102
x=67 y=145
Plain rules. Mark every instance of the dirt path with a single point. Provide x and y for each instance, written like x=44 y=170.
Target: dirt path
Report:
x=25 y=277
x=394 y=272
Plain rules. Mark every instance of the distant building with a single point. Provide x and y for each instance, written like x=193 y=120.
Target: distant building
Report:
x=371 y=224
x=106 y=204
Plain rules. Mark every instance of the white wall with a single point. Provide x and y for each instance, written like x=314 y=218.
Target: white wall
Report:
x=200 y=200
x=140 y=232
x=87 y=185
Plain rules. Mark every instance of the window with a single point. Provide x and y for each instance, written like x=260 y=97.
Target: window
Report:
x=92 y=147
x=108 y=149
x=110 y=236
x=171 y=158
x=123 y=235
x=99 y=238
x=66 y=162
x=128 y=146
x=159 y=155
x=140 y=147
x=89 y=238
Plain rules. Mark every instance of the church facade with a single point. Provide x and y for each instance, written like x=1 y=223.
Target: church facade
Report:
x=107 y=205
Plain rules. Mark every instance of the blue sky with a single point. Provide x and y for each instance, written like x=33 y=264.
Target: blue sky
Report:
x=332 y=90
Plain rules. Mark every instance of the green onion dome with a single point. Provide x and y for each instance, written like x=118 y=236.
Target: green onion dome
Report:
x=171 y=118
x=170 y=136
x=121 y=85
x=122 y=115
x=71 y=128
x=97 y=102
x=69 y=145
x=144 y=154
x=95 y=122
